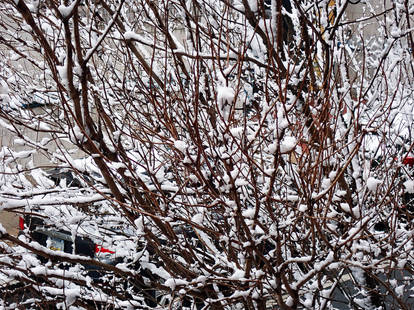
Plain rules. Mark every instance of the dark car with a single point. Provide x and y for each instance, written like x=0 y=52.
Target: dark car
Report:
x=62 y=240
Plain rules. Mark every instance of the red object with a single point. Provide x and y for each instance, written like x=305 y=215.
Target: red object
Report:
x=409 y=160
x=21 y=223
x=101 y=249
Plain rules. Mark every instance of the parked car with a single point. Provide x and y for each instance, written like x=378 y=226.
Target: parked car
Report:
x=37 y=226
x=62 y=240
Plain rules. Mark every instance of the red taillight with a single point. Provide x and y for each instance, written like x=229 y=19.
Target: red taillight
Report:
x=21 y=223
x=408 y=161
x=101 y=249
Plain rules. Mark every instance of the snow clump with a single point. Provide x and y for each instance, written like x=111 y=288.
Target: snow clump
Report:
x=409 y=186
x=225 y=97
x=180 y=145
x=288 y=144
x=373 y=183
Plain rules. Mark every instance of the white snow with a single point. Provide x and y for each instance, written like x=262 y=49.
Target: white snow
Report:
x=253 y=5
x=198 y=218
x=249 y=213
x=373 y=183
x=288 y=144
x=180 y=145
x=15 y=203
x=345 y=207
x=131 y=35
x=326 y=183
x=2 y=230
x=66 y=10
x=172 y=283
x=241 y=182
x=78 y=133
x=4 y=89
x=272 y=148
x=225 y=97
x=409 y=186
x=63 y=73
x=238 y=275
x=237 y=132
x=356 y=211
x=399 y=290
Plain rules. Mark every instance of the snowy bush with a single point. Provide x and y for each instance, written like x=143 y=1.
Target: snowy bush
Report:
x=233 y=155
